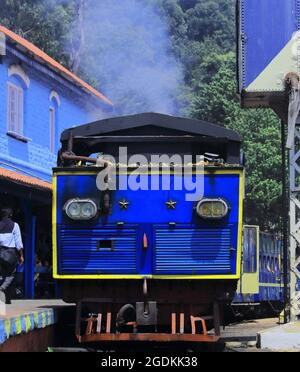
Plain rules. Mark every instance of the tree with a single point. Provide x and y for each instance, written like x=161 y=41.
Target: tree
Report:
x=260 y=129
x=214 y=19
x=46 y=23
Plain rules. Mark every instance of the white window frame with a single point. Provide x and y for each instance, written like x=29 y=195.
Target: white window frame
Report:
x=52 y=127
x=16 y=127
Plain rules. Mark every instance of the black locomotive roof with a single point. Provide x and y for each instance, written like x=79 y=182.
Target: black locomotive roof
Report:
x=131 y=124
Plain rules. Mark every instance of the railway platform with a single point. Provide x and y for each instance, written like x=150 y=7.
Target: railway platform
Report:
x=30 y=325
x=283 y=337
x=262 y=335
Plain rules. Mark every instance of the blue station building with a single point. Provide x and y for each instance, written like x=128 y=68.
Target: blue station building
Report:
x=39 y=98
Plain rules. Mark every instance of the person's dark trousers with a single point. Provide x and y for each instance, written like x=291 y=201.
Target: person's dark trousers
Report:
x=8 y=263
x=7 y=285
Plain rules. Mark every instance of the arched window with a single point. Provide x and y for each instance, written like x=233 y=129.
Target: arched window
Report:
x=15 y=109
x=17 y=84
x=53 y=118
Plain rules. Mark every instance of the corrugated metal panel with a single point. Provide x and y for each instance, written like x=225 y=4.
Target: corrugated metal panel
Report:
x=80 y=254
x=267 y=54
x=192 y=251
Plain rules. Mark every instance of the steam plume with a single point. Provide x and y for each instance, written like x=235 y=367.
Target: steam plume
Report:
x=127 y=49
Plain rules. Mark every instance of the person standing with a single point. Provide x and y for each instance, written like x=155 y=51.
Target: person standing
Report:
x=11 y=252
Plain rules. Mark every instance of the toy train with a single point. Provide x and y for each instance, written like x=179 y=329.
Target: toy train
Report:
x=261 y=288
x=148 y=246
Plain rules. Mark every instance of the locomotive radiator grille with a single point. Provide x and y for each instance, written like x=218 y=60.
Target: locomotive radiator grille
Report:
x=193 y=251
x=98 y=251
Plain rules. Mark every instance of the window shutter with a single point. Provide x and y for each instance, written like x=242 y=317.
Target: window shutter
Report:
x=12 y=100
x=20 y=111
x=52 y=129
x=15 y=109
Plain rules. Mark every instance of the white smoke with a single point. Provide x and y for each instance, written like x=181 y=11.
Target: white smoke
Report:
x=127 y=49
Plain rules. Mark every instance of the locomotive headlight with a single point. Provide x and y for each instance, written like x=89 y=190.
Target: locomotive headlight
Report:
x=212 y=208
x=73 y=210
x=88 y=210
x=78 y=209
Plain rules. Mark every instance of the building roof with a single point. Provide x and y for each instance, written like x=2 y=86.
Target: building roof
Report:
x=44 y=58
x=123 y=123
x=24 y=180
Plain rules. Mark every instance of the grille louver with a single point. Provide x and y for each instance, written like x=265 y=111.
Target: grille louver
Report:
x=80 y=253
x=192 y=251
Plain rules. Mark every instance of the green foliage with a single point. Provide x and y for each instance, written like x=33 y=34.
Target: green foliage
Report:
x=46 y=23
x=214 y=19
x=260 y=129
x=203 y=40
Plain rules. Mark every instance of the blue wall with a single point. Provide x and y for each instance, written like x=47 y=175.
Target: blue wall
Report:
x=34 y=157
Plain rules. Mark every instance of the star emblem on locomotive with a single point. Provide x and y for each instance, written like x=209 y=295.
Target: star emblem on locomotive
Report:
x=171 y=204
x=124 y=204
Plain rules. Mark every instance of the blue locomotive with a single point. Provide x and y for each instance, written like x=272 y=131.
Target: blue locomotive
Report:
x=150 y=250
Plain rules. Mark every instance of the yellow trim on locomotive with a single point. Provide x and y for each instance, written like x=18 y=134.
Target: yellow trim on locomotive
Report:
x=158 y=277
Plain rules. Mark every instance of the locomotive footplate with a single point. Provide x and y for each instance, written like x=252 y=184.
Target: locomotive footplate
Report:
x=109 y=320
